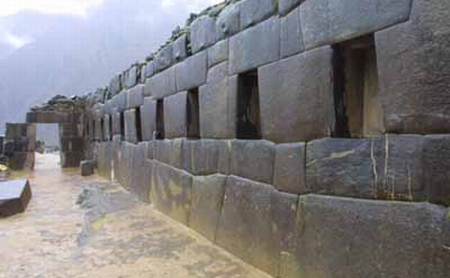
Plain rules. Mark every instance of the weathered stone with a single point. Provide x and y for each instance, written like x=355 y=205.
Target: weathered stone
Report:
x=191 y=73
x=172 y=192
x=22 y=161
x=218 y=53
x=290 y=168
x=149 y=69
x=131 y=77
x=120 y=101
x=255 y=11
x=228 y=21
x=148 y=118
x=115 y=86
x=352 y=238
x=150 y=149
x=175 y=121
x=71 y=144
x=14 y=131
x=218 y=109
x=255 y=47
x=168 y=152
x=70 y=159
x=203 y=33
x=296 y=97
x=253 y=160
x=14 y=197
x=413 y=61
x=106 y=127
x=207 y=199
x=104 y=160
x=206 y=157
x=285 y=6
x=331 y=21
x=179 y=49
x=162 y=84
x=51 y=117
x=141 y=173
x=130 y=126
x=163 y=58
x=218 y=73
x=135 y=96
x=244 y=225
x=291 y=34
x=87 y=168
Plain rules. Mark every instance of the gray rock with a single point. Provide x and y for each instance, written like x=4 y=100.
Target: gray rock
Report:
x=115 y=86
x=135 y=96
x=255 y=11
x=175 y=116
x=148 y=87
x=413 y=61
x=296 y=97
x=228 y=22
x=207 y=199
x=149 y=69
x=191 y=73
x=253 y=160
x=87 y=168
x=203 y=33
x=179 y=49
x=163 y=59
x=142 y=173
x=217 y=73
x=148 y=118
x=162 y=84
x=285 y=6
x=130 y=126
x=290 y=168
x=331 y=21
x=68 y=159
x=14 y=197
x=291 y=34
x=255 y=47
x=206 y=157
x=218 y=53
x=168 y=152
x=131 y=77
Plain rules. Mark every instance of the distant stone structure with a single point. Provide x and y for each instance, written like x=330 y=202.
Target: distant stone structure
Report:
x=309 y=138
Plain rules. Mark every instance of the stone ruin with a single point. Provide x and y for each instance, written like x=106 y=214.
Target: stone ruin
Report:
x=309 y=138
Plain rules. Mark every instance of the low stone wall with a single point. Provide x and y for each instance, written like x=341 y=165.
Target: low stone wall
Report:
x=309 y=138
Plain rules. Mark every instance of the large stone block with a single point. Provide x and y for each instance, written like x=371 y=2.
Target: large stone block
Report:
x=349 y=238
x=255 y=11
x=228 y=21
x=162 y=84
x=120 y=101
x=179 y=48
x=107 y=127
x=14 y=197
x=206 y=157
x=207 y=199
x=291 y=34
x=168 y=152
x=115 y=86
x=72 y=144
x=255 y=47
x=149 y=69
x=218 y=109
x=172 y=192
x=218 y=73
x=413 y=69
x=245 y=224
x=14 y=131
x=285 y=6
x=203 y=33
x=296 y=97
x=22 y=161
x=331 y=21
x=218 y=53
x=253 y=160
x=191 y=73
x=141 y=173
x=105 y=159
x=175 y=116
x=70 y=159
x=130 y=126
x=131 y=77
x=135 y=96
x=87 y=168
x=163 y=58
x=290 y=168
x=148 y=118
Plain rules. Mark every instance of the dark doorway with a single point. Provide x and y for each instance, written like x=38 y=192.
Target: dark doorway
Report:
x=159 y=120
x=138 y=123
x=248 y=112
x=193 y=115
x=122 y=126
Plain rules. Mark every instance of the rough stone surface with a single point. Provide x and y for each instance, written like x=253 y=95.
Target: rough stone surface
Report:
x=207 y=199
x=296 y=97
x=228 y=21
x=285 y=6
x=291 y=34
x=175 y=116
x=135 y=96
x=179 y=49
x=253 y=160
x=70 y=159
x=245 y=226
x=162 y=84
x=168 y=152
x=290 y=168
x=255 y=11
x=256 y=46
x=191 y=73
x=206 y=157
x=130 y=126
x=203 y=33
x=172 y=192
x=149 y=69
x=355 y=238
x=141 y=173
x=25 y=161
x=148 y=118
x=218 y=53
x=87 y=168
x=14 y=197
x=331 y=21
x=131 y=77
x=163 y=58
x=115 y=86
x=413 y=61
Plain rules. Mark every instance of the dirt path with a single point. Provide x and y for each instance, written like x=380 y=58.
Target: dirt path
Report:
x=88 y=227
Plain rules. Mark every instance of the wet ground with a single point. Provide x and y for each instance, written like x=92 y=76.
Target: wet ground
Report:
x=89 y=227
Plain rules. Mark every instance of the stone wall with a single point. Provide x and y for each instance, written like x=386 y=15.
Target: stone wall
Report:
x=18 y=146
x=309 y=138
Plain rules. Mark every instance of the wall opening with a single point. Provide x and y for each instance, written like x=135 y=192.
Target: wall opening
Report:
x=138 y=124
x=110 y=127
x=122 y=126
x=102 y=129
x=193 y=115
x=159 y=133
x=248 y=124
x=93 y=131
x=357 y=107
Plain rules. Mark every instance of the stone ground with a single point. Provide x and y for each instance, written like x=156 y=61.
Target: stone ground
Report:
x=89 y=227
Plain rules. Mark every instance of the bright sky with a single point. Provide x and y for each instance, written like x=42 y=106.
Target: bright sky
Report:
x=80 y=7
